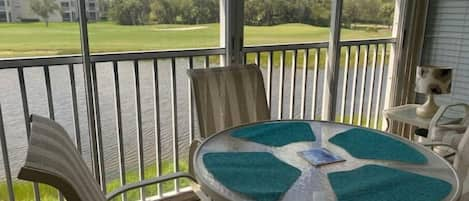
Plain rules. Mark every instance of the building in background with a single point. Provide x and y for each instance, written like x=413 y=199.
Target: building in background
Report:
x=5 y=14
x=20 y=11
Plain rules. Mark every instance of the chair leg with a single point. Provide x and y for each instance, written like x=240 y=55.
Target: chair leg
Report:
x=198 y=191
x=447 y=156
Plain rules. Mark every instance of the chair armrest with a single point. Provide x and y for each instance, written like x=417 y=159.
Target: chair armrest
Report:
x=439 y=114
x=438 y=144
x=147 y=182
x=193 y=147
x=456 y=127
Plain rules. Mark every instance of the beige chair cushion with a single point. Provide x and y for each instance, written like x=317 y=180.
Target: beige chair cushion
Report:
x=53 y=159
x=227 y=97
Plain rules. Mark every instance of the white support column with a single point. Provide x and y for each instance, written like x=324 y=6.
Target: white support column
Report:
x=329 y=99
x=7 y=10
x=232 y=30
x=7 y=13
x=394 y=73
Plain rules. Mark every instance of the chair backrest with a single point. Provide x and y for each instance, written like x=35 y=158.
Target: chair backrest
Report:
x=227 y=97
x=461 y=161
x=465 y=120
x=53 y=159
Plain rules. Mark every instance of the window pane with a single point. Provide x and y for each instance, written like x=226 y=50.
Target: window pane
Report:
x=148 y=25
x=289 y=21
x=364 y=64
x=30 y=34
x=365 y=19
x=123 y=25
x=3 y=16
x=284 y=21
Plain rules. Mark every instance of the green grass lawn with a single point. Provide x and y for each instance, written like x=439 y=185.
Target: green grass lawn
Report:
x=34 y=39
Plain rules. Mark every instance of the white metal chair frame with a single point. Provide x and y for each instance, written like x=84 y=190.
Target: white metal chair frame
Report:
x=58 y=179
x=461 y=158
x=459 y=126
x=441 y=112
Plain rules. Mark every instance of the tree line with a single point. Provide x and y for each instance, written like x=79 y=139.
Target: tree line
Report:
x=139 y=12
x=257 y=12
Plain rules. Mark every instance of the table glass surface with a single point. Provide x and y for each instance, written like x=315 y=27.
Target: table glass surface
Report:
x=313 y=184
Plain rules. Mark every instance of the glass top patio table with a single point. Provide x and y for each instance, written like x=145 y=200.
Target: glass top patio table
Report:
x=313 y=184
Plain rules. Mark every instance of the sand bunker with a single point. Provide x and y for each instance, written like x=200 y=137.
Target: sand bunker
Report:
x=180 y=28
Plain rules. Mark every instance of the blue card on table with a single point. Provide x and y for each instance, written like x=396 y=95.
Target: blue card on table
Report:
x=320 y=156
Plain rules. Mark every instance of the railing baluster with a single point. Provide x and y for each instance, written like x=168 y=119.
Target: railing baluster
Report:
x=305 y=83
x=372 y=87
x=245 y=58
x=138 y=110
x=190 y=106
x=293 y=83
x=324 y=83
x=76 y=119
x=344 y=85
x=174 y=121
x=156 y=97
x=363 y=87
x=99 y=138
x=207 y=61
x=50 y=100
x=280 y=88
x=258 y=59
x=317 y=58
x=120 y=138
x=269 y=78
x=6 y=160
x=50 y=103
x=355 y=84
x=380 y=85
x=24 y=99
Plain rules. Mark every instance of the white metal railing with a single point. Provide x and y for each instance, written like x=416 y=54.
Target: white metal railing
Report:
x=295 y=71
x=359 y=98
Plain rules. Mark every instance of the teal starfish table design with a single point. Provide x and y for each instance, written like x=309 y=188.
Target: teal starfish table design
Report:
x=313 y=183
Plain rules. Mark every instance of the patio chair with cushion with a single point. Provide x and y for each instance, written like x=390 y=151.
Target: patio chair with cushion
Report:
x=53 y=159
x=226 y=97
x=452 y=133
x=461 y=160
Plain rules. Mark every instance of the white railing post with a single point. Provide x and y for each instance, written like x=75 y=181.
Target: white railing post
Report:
x=232 y=30
x=329 y=99
x=395 y=55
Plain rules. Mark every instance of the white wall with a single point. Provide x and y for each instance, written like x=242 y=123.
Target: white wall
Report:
x=447 y=43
